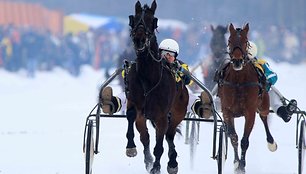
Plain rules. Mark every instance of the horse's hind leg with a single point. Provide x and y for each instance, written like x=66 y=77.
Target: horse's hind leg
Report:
x=272 y=146
x=131 y=147
x=145 y=140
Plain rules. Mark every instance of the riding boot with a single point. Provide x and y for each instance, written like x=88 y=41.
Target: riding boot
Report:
x=110 y=103
x=283 y=113
x=202 y=107
x=206 y=104
x=197 y=108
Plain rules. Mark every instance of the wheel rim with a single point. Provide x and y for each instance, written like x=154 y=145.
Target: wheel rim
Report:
x=301 y=147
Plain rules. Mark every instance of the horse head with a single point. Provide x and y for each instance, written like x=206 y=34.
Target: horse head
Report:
x=218 y=41
x=143 y=24
x=237 y=45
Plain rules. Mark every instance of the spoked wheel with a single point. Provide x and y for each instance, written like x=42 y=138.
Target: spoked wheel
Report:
x=193 y=140
x=301 y=147
x=222 y=149
x=89 y=148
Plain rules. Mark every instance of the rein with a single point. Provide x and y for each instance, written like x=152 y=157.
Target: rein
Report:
x=151 y=52
x=149 y=91
x=246 y=84
x=153 y=56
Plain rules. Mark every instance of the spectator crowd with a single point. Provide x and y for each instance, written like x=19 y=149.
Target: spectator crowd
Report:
x=36 y=50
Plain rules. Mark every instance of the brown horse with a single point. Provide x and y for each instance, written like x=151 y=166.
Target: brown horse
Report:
x=242 y=94
x=152 y=93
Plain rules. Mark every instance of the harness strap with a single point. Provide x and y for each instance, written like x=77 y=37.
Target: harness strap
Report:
x=248 y=84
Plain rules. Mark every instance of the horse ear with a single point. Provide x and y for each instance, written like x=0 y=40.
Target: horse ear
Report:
x=153 y=6
x=232 y=28
x=137 y=7
x=131 y=21
x=246 y=28
x=212 y=28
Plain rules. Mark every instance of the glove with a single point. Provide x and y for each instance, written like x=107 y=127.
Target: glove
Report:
x=177 y=65
x=186 y=80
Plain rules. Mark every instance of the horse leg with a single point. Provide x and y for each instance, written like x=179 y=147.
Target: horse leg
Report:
x=233 y=137
x=248 y=126
x=272 y=145
x=172 y=154
x=131 y=147
x=145 y=140
x=161 y=128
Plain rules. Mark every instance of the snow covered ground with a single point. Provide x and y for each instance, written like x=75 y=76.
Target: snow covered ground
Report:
x=42 y=125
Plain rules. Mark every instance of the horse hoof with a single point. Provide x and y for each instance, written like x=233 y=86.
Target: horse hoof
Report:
x=155 y=170
x=172 y=170
x=240 y=169
x=149 y=163
x=131 y=152
x=149 y=166
x=272 y=146
x=236 y=164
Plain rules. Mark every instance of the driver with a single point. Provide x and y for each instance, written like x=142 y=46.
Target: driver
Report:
x=169 y=50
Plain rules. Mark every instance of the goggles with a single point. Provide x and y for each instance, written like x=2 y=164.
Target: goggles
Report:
x=165 y=52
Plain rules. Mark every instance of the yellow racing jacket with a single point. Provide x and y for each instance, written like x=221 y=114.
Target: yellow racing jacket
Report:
x=179 y=75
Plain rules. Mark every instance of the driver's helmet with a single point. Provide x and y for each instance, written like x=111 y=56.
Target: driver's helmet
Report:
x=252 y=50
x=169 y=45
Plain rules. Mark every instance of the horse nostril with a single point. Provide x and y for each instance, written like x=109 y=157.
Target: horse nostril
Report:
x=237 y=64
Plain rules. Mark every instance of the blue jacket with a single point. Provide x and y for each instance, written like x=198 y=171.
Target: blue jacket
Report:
x=271 y=76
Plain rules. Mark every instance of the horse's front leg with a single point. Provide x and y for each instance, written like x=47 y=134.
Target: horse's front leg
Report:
x=145 y=140
x=172 y=154
x=233 y=136
x=160 y=129
x=131 y=147
x=248 y=127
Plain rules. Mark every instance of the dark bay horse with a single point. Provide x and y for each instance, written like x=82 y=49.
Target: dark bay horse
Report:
x=152 y=93
x=218 y=41
x=218 y=48
x=242 y=94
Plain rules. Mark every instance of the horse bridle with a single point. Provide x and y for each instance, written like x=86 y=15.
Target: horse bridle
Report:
x=148 y=33
x=238 y=46
x=245 y=60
